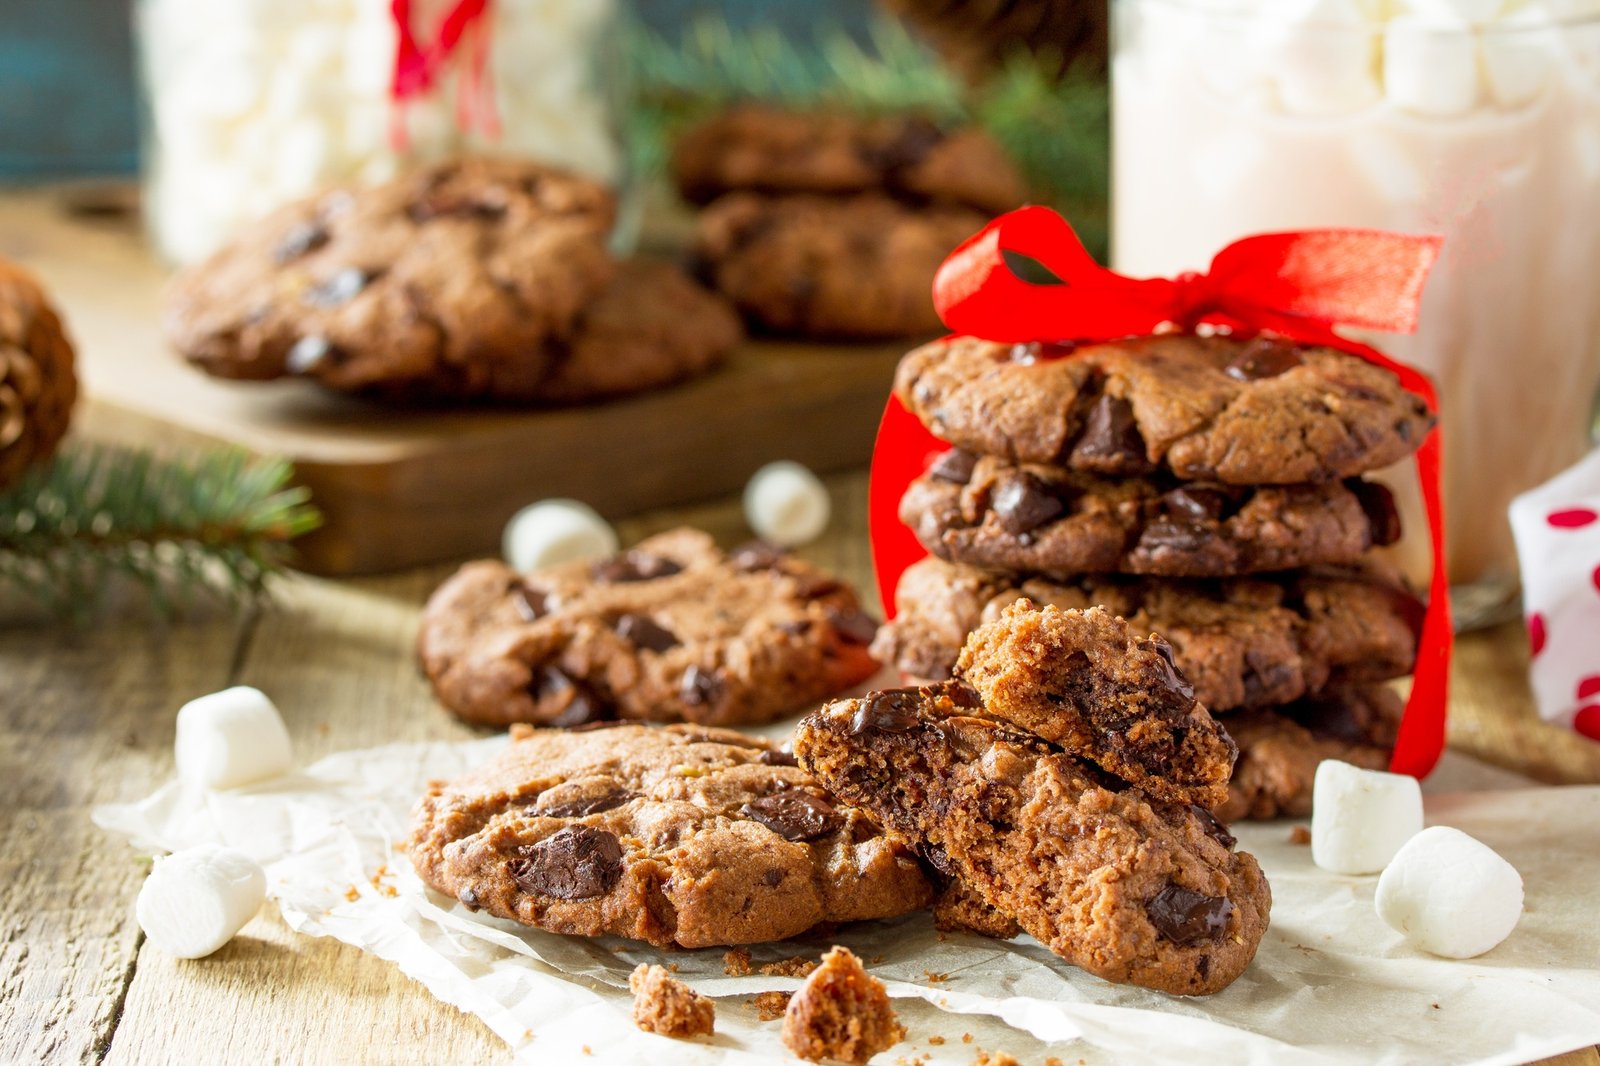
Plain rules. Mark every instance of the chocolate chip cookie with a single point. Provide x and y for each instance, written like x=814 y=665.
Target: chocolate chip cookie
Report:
x=1243 y=412
x=767 y=149
x=672 y=630
x=652 y=326
x=1087 y=682
x=679 y=835
x=457 y=275
x=1243 y=642
x=851 y=267
x=1280 y=747
x=1119 y=883
x=994 y=514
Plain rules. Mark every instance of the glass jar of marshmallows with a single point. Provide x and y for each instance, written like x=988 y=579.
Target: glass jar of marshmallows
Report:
x=1475 y=119
x=252 y=103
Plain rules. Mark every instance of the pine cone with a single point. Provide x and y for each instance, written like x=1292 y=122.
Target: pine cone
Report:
x=37 y=382
x=977 y=36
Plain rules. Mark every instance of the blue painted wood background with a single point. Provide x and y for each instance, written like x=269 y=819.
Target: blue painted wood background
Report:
x=69 y=97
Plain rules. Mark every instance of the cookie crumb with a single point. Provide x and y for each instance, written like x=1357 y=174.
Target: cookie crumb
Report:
x=663 y=1004
x=1299 y=834
x=771 y=1005
x=799 y=966
x=841 y=1012
x=736 y=962
x=352 y=893
x=1435 y=1006
x=936 y=1041
x=966 y=1038
x=936 y=978
x=1053 y=1061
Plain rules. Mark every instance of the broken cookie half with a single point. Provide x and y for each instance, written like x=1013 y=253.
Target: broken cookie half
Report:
x=1020 y=810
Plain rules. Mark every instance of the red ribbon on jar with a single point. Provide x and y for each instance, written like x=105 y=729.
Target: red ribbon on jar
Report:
x=1299 y=286
x=418 y=65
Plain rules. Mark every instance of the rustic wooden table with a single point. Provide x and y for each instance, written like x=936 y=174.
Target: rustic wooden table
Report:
x=87 y=717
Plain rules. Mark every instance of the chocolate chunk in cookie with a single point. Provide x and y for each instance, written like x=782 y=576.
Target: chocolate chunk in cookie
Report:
x=1243 y=642
x=1089 y=683
x=855 y=267
x=671 y=630
x=766 y=149
x=1127 y=887
x=1241 y=412
x=668 y=835
x=1050 y=520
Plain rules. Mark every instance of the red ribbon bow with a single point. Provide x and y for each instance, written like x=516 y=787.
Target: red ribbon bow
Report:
x=1296 y=285
x=417 y=66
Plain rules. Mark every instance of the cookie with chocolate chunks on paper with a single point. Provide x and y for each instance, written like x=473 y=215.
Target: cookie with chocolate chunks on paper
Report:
x=680 y=836
x=1242 y=412
x=673 y=629
x=1243 y=641
x=1126 y=886
x=993 y=514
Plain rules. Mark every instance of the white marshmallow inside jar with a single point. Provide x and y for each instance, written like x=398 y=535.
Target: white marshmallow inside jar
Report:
x=253 y=103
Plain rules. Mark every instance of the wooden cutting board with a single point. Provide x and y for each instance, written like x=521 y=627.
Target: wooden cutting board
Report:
x=399 y=488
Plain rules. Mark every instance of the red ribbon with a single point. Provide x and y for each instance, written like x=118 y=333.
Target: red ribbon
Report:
x=417 y=65
x=1296 y=285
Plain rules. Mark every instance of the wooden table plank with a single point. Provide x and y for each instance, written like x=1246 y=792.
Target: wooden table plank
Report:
x=85 y=718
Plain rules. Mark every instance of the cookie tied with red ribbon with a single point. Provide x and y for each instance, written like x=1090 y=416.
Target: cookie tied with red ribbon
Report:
x=1200 y=441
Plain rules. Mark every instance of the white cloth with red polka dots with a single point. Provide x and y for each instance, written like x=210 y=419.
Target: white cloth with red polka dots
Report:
x=1557 y=527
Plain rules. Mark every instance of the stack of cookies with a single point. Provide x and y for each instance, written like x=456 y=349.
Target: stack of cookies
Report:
x=1207 y=488
x=473 y=279
x=825 y=224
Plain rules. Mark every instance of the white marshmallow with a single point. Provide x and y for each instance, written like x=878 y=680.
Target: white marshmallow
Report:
x=1519 y=53
x=556 y=531
x=1322 y=55
x=231 y=738
x=786 y=504
x=195 y=900
x=1360 y=818
x=1430 y=69
x=1450 y=894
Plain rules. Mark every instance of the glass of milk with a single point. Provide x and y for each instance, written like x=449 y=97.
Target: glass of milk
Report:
x=252 y=103
x=1475 y=119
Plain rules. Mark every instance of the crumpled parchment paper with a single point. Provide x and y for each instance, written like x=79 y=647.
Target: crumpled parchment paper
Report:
x=1331 y=983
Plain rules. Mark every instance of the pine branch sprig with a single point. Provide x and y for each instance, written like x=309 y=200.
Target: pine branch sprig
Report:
x=218 y=524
